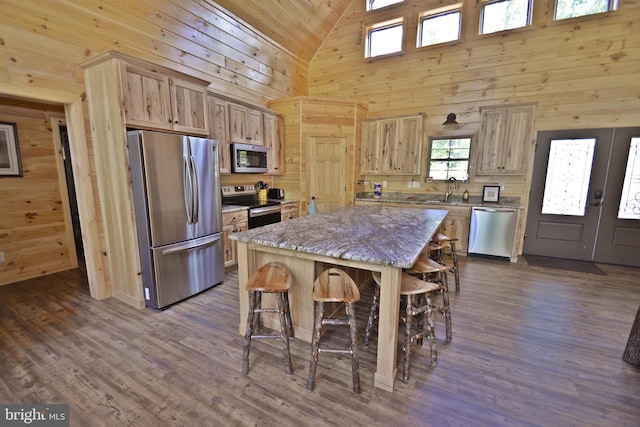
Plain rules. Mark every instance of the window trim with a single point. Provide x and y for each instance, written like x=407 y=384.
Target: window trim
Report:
x=389 y=23
x=368 y=8
x=529 y=23
x=433 y=13
x=468 y=159
x=612 y=6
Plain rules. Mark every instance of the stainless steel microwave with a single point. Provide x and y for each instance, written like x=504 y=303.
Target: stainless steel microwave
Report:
x=247 y=158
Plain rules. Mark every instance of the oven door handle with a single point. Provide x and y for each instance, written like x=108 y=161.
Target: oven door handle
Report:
x=267 y=210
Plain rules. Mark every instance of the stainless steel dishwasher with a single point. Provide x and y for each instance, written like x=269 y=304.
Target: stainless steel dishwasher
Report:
x=492 y=231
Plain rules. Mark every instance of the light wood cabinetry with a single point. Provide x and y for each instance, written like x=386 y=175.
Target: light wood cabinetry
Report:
x=505 y=140
x=219 y=124
x=246 y=125
x=122 y=92
x=153 y=99
x=233 y=222
x=274 y=141
x=290 y=210
x=392 y=146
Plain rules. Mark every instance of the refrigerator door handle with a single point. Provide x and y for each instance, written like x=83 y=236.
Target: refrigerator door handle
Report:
x=188 y=189
x=196 y=190
x=192 y=244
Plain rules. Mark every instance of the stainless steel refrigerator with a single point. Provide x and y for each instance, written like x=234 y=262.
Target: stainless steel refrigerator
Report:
x=178 y=209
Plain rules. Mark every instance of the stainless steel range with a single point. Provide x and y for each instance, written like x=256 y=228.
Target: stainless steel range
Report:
x=260 y=212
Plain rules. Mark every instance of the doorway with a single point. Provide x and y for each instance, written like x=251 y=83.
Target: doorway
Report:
x=327 y=171
x=61 y=140
x=585 y=194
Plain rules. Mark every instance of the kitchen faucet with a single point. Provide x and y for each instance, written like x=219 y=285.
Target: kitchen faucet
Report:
x=448 y=191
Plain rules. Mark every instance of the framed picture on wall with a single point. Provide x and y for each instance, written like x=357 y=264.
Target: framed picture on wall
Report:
x=491 y=193
x=9 y=151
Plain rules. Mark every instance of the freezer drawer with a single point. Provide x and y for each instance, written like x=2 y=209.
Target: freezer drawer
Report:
x=492 y=231
x=184 y=269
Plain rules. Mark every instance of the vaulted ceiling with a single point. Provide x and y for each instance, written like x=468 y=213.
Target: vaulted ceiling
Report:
x=299 y=26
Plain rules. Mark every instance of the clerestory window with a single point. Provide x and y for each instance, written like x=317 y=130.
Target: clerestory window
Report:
x=500 y=15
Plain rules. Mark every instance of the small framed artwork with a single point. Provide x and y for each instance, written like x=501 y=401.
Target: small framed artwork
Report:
x=9 y=151
x=491 y=193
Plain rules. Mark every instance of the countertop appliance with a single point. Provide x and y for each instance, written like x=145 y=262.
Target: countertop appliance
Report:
x=178 y=210
x=492 y=231
x=275 y=193
x=261 y=212
x=247 y=158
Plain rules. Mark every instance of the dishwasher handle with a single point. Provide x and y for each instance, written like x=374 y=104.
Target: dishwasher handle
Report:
x=508 y=210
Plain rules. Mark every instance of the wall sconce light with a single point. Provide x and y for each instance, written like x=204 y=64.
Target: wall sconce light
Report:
x=451 y=120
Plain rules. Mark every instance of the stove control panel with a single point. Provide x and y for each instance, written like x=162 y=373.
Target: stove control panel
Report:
x=238 y=190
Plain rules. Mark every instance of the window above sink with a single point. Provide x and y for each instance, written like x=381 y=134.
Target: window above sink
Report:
x=449 y=157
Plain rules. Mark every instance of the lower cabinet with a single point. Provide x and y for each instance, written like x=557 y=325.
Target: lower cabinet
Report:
x=233 y=222
x=289 y=210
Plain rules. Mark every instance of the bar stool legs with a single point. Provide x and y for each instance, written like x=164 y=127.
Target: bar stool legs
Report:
x=334 y=285
x=270 y=278
x=416 y=296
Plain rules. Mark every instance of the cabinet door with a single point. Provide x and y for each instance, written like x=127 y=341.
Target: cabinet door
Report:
x=388 y=146
x=369 y=158
x=255 y=127
x=219 y=124
x=408 y=148
x=189 y=107
x=238 y=123
x=492 y=134
x=145 y=98
x=518 y=139
x=274 y=141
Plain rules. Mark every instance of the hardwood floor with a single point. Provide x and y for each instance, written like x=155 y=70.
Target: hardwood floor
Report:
x=531 y=347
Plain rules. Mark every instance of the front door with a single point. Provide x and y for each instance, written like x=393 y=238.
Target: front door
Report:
x=328 y=165
x=576 y=192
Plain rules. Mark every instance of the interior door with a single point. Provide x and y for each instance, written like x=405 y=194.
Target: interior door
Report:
x=576 y=189
x=327 y=167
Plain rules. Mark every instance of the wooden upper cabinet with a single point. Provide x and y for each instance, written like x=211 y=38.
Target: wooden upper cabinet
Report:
x=274 y=141
x=189 y=107
x=392 y=146
x=370 y=162
x=219 y=124
x=505 y=140
x=152 y=99
x=246 y=125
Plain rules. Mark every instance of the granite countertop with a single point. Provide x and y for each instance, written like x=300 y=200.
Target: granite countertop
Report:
x=373 y=234
x=438 y=200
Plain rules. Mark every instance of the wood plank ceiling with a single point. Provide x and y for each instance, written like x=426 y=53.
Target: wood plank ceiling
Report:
x=299 y=26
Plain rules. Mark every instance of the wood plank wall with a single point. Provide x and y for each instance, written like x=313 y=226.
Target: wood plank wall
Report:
x=42 y=44
x=35 y=233
x=581 y=73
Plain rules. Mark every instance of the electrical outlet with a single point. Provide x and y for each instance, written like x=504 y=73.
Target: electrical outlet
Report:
x=501 y=185
x=416 y=184
x=409 y=184
x=384 y=184
x=1 y=256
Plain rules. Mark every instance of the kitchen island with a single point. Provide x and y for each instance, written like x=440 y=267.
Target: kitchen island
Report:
x=359 y=238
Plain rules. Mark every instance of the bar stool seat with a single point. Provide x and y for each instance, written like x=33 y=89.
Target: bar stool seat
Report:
x=334 y=285
x=446 y=248
x=417 y=301
x=275 y=278
x=430 y=270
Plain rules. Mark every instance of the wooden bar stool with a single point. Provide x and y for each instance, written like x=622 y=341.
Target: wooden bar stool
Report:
x=417 y=301
x=334 y=285
x=430 y=270
x=274 y=278
x=445 y=247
